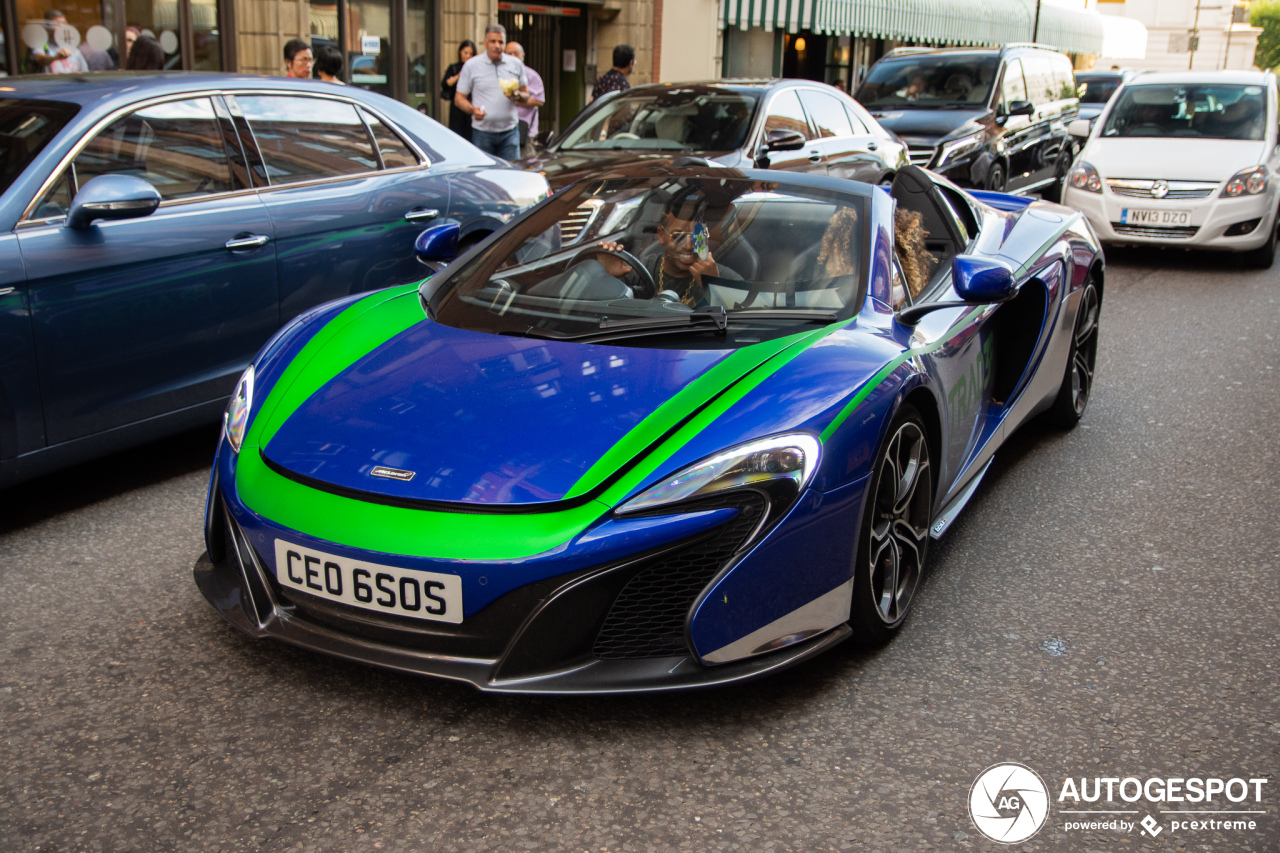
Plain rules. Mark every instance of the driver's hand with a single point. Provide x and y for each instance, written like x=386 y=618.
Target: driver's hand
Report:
x=704 y=266
x=612 y=264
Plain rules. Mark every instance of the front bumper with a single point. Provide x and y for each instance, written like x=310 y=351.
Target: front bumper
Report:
x=543 y=638
x=1211 y=218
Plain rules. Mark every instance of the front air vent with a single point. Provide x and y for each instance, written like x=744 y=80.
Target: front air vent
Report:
x=573 y=226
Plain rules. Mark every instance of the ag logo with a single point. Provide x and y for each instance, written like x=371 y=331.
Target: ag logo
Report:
x=1009 y=803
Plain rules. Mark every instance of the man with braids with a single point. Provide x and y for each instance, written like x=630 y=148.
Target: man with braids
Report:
x=685 y=256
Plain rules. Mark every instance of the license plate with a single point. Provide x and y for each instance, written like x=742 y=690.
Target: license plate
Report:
x=1129 y=216
x=386 y=589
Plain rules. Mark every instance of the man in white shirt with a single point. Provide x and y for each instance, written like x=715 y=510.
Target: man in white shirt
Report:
x=489 y=88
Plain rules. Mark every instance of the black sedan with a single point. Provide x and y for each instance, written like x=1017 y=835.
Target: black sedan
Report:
x=796 y=125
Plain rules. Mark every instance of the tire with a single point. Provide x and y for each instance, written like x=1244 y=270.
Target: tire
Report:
x=996 y=177
x=1077 y=382
x=894 y=538
x=1264 y=256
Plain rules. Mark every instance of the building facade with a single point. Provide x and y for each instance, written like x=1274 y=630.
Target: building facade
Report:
x=396 y=47
x=1188 y=34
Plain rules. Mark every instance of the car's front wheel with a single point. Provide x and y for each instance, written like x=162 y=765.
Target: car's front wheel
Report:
x=894 y=537
x=996 y=177
x=1077 y=384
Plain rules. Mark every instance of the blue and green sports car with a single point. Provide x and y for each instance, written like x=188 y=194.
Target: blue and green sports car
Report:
x=673 y=427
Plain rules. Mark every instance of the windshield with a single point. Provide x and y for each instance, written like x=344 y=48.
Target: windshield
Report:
x=1190 y=110
x=25 y=129
x=929 y=81
x=667 y=261
x=696 y=118
x=1096 y=90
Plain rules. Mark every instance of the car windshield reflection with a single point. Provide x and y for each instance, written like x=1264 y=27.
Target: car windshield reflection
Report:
x=747 y=255
x=681 y=119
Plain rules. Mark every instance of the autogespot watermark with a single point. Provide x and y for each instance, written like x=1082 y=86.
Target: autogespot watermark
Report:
x=1010 y=803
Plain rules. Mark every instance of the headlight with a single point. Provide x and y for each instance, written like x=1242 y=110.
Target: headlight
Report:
x=236 y=418
x=780 y=460
x=957 y=148
x=1246 y=182
x=1085 y=177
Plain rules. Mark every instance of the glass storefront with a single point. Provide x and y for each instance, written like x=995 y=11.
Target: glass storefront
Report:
x=369 y=44
x=75 y=36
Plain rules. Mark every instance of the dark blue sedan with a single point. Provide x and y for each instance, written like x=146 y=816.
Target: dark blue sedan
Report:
x=156 y=230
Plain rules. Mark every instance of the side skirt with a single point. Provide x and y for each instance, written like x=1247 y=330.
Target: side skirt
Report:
x=952 y=510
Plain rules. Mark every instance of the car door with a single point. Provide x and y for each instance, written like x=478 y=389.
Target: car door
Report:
x=346 y=194
x=1018 y=132
x=1036 y=155
x=785 y=113
x=845 y=153
x=141 y=317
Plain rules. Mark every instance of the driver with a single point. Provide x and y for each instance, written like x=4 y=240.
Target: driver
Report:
x=685 y=256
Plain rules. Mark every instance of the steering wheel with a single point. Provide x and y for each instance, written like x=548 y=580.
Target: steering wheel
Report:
x=626 y=134
x=636 y=267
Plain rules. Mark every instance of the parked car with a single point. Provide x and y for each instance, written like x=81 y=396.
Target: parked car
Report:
x=1185 y=159
x=567 y=466
x=158 y=228
x=988 y=118
x=1096 y=89
x=793 y=125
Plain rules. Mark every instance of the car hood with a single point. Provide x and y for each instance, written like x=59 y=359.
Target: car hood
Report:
x=562 y=168
x=931 y=125
x=1173 y=159
x=491 y=420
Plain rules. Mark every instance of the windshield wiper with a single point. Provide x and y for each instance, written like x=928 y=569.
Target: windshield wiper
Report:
x=712 y=319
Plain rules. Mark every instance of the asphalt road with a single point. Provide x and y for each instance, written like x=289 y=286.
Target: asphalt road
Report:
x=1106 y=607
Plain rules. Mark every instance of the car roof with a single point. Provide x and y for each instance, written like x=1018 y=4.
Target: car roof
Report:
x=129 y=86
x=734 y=84
x=1153 y=78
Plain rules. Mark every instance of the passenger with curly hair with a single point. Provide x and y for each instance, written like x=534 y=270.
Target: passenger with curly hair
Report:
x=917 y=263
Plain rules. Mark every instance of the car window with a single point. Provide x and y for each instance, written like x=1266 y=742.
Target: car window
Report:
x=828 y=114
x=305 y=139
x=1097 y=90
x=929 y=80
x=785 y=114
x=1014 y=87
x=175 y=146
x=1038 y=71
x=961 y=212
x=861 y=125
x=25 y=128
x=670 y=118
x=1064 y=78
x=1189 y=110
x=395 y=154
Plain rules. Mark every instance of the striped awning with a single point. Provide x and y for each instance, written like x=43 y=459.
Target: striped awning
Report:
x=957 y=22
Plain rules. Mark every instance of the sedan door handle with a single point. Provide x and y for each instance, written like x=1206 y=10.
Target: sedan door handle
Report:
x=421 y=214
x=245 y=242
x=815 y=156
x=871 y=146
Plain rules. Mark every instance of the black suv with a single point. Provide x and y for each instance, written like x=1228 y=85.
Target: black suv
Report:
x=985 y=118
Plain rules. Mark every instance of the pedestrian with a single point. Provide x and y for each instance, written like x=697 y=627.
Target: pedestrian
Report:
x=615 y=79
x=459 y=122
x=145 y=55
x=55 y=58
x=298 y=59
x=528 y=111
x=490 y=87
x=329 y=65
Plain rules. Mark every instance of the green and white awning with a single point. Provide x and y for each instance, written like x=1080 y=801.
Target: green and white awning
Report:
x=958 y=22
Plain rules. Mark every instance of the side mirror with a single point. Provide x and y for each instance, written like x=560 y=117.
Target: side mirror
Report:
x=783 y=140
x=982 y=280
x=1080 y=127
x=438 y=244
x=1021 y=108
x=112 y=197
